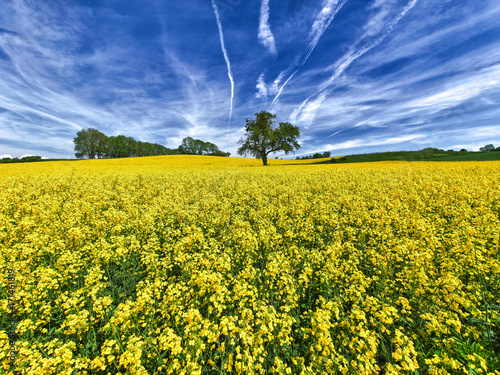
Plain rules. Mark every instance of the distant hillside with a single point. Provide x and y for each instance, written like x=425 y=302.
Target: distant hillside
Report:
x=426 y=154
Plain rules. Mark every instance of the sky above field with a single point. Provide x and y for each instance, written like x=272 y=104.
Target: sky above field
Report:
x=355 y=75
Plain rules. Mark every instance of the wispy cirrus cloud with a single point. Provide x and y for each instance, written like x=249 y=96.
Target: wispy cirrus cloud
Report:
x=265 y=34
x=42 y=89
x=264 y=89
x=455 y=93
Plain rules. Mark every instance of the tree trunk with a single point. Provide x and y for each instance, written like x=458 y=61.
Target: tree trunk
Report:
x=264 y=159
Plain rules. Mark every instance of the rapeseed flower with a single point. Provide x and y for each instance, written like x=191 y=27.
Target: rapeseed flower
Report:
x=205 y=265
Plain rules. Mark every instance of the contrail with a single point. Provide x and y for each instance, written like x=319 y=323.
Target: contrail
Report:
x=323 y=20
x=228 y=63
x=353 y=55
x=266 y=36
x=337 y=132
x=281 y=88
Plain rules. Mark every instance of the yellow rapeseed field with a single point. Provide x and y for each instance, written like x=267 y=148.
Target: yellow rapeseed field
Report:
x=205 y=265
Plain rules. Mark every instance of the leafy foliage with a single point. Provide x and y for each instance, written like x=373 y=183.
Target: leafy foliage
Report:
x=487 y=148
x=90 y=143
x=263 y=137
x=199 y=147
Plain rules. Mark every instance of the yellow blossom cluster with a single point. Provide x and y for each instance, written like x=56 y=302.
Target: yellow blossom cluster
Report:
x=205 y=265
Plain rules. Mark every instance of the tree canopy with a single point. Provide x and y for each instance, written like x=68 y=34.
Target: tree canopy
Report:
x=199 y=147
x=264 y=137
x=90 y=143
x=487 y=148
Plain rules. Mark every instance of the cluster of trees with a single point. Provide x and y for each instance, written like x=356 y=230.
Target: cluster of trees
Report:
x=121 y=146
x=489 y=148
x=198 y=147
x=92 y=144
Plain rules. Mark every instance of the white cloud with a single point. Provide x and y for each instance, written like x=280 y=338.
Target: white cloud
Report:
x=309 y=109
x=377 y=22
x=296 y=112
x=454 y=94
x=266 y=37
x=262 y=90
x=3 y=156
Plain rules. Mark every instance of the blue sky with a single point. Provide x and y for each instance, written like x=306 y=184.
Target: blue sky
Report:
x=354 y=75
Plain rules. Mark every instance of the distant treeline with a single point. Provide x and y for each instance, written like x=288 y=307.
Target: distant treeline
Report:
x=92 y=144
x=317 y=155
x=24 y=159
x=426 y=152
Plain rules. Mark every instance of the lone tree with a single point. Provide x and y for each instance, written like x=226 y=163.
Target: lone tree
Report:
x=90 y=143
x=264 y=137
